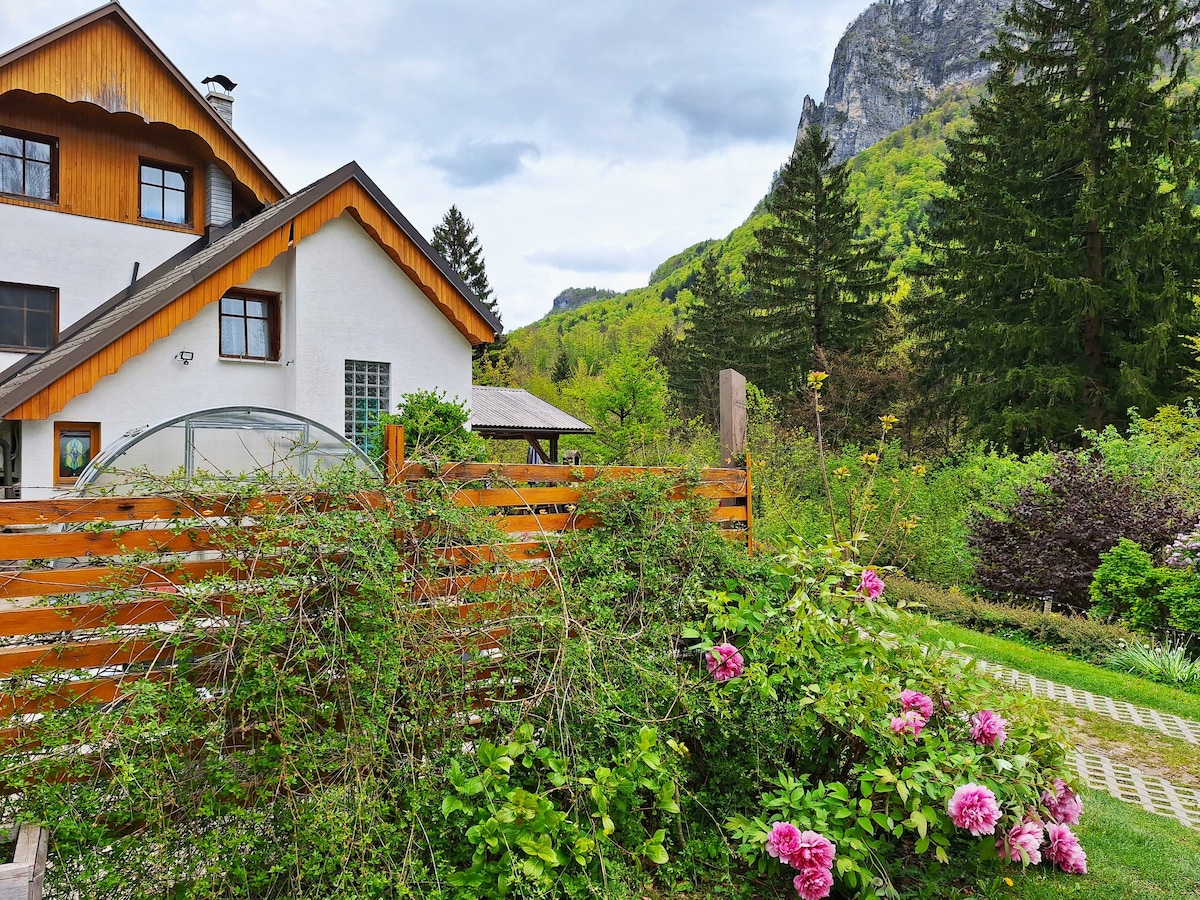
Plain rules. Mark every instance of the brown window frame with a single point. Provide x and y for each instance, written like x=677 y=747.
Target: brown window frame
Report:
x=93 y=429
x=189 y=192
x=275 y=314
x=41 y=139
x=54 y=315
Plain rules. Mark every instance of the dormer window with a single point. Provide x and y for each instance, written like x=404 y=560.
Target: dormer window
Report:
x=27 y=163
x=166 y=193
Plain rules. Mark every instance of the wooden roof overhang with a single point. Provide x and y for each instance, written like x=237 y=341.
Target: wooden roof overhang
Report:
x=135 y=78
x=41 y=385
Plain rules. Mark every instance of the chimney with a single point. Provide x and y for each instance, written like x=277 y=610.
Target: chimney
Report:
x=218 y=197
x=223 y=104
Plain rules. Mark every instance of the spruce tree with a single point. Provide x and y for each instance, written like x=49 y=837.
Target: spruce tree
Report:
x=813 y=285
x=455 y=239
x=710 y=343
x=1067 y=248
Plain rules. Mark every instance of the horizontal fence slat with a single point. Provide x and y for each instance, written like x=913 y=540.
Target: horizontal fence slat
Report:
x=47 y=619
x=55 y=582
x=482 y=554
x=93 y=690
x=530 y=496
x=478 y=584
x=84 y=655
x=57 y=545
x=729 y=514
x=529 y=473
x=545 y=522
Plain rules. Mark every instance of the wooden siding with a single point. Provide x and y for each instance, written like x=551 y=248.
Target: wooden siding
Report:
x=106 y=64
x=98 y=159
x=349 y=197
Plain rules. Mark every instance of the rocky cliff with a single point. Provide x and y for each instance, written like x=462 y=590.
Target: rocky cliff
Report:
x=895 y=60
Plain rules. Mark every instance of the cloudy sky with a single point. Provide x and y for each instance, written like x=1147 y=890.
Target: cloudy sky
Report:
x=587 y=140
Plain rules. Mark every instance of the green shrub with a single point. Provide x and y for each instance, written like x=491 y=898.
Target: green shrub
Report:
x=1124 y=587
x=1130 y=588
x=1076 y=636
x=435 y=430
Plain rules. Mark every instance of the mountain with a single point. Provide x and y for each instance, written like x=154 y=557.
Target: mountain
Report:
x=896 y=61
x=573 y=298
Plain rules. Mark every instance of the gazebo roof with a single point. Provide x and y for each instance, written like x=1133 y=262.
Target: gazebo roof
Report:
x=513 y=412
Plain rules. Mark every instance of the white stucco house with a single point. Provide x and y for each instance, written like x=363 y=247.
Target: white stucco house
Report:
x=150 y=265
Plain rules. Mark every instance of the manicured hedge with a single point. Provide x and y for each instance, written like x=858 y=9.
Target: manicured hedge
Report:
x=1076 y=636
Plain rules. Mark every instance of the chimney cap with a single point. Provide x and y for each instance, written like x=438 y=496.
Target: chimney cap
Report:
x=224 y=81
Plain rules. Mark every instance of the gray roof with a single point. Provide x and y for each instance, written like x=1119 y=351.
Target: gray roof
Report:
x=176 y=276
x=500 y=409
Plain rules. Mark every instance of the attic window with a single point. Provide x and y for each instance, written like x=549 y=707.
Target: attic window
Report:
x=28 y=317
x=27 y=163
x=166 y=193
x=250 y=326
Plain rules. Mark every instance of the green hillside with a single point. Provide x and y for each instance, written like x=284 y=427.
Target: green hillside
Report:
x=891 y=181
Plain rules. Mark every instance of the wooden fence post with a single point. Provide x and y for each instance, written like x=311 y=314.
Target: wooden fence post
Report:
x=732 y=415
x=393 y=452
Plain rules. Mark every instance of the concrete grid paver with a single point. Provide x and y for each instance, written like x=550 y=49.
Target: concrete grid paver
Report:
x=1152 y=793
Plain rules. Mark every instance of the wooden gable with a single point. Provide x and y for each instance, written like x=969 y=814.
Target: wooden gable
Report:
x=105 y=59
x=348 y=197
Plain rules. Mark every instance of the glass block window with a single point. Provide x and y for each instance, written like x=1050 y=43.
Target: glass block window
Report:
x=27 y=165
x=368 y=393
x=165 y=193
x=28 y=317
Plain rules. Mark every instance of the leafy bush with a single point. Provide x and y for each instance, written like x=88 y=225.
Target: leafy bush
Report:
x=1129 y=587
x=1048 y=543
x=1076 y=636
x=815 y=699
x=435 y=430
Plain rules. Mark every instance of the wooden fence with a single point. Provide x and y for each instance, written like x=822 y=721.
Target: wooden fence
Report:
x=52 y=619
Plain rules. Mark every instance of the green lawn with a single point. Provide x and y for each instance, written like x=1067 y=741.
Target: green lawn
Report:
x=1052 y=666
x=1131 y=855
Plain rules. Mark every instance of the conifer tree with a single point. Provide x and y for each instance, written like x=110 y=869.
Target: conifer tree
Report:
x=813 y=285
x=710 y=343
x=455 y=239
x=1067 y=247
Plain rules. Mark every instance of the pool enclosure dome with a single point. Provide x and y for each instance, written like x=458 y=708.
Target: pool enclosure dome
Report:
x=238 y=443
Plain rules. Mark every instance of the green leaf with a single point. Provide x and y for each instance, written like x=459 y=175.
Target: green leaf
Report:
x=918 y=821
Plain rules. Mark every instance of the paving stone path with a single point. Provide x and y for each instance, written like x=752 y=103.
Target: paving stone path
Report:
x=1152 y=793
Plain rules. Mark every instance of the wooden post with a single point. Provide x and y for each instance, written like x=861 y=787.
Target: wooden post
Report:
x=733 y=415
x=749 y=508
x=393 y=452
x=22 y=878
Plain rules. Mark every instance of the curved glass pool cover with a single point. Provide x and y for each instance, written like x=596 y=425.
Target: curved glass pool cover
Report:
x=238 y=443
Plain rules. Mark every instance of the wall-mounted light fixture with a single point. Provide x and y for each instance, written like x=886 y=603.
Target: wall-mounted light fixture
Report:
x=185 y=356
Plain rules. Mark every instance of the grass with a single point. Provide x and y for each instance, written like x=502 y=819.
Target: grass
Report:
x=1055 y=667
x=1131 y=855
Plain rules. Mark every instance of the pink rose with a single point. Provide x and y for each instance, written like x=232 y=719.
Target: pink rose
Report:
x=988 y=728
x=1064 y=805
x=910 y=722
x=1064 y=850
x=1025 y=836
x=813 y=883
x=814 y=850
x=871 y=585
x=918 y=701
x=974 y=808
x=725 y=662
x=783 y=843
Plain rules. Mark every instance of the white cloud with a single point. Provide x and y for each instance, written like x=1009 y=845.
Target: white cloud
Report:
x=587 y=141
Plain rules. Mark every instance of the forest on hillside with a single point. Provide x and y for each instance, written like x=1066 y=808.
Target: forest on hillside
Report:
x=638 y=362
